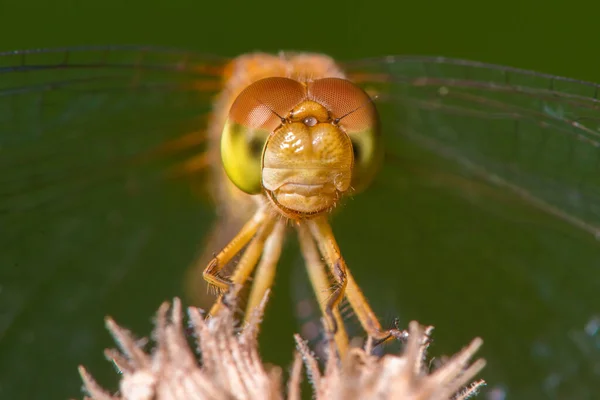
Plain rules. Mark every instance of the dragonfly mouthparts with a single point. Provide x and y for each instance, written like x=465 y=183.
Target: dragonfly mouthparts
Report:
x=306 y=189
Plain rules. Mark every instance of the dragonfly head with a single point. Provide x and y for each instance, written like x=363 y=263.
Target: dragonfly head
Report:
x=304 y=145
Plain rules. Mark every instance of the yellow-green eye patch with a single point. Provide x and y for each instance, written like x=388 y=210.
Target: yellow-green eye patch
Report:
x=253 y=116
x=241 y=153
x=368 y=157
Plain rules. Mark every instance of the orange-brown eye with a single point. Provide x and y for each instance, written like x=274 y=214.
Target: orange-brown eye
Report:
x=262 y=104
x=254 y=115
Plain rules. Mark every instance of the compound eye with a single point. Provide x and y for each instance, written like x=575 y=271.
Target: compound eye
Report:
x=254 y=115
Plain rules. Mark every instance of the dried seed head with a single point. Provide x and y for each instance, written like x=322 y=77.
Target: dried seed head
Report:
x=231 y=367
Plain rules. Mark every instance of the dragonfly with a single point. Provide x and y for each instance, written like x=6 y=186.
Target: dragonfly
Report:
x=90 y=134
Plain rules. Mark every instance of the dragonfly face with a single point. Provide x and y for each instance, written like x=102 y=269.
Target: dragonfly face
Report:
x=295 y=141
x=99 y=148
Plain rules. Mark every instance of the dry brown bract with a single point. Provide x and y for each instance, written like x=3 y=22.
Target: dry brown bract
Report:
x=365 y=376
x=231 y=367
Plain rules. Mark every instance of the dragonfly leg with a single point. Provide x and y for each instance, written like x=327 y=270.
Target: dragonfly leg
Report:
x=321 y=231
x=211 y=272
x=339 y=271
x=321 y=286
x=367 y=317
x=323 y=234
x=246 y=264
x=246 y=234
x=265 y=271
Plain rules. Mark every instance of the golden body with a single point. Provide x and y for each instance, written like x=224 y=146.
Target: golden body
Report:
x=306 y=166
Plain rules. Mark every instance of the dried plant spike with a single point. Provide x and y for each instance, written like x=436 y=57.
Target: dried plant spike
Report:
x=92 y=387
x=127 y=344
x=310 y=362
x=252 y=327
x=295 y=381
x=362 y=375
x=231 y=366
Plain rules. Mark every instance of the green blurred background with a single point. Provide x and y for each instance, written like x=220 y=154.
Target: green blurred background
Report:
x=475 y=264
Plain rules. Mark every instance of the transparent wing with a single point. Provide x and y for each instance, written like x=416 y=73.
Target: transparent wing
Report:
x=100 y=154
x=84 y=112
x=490 y=194
x=535 y=134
